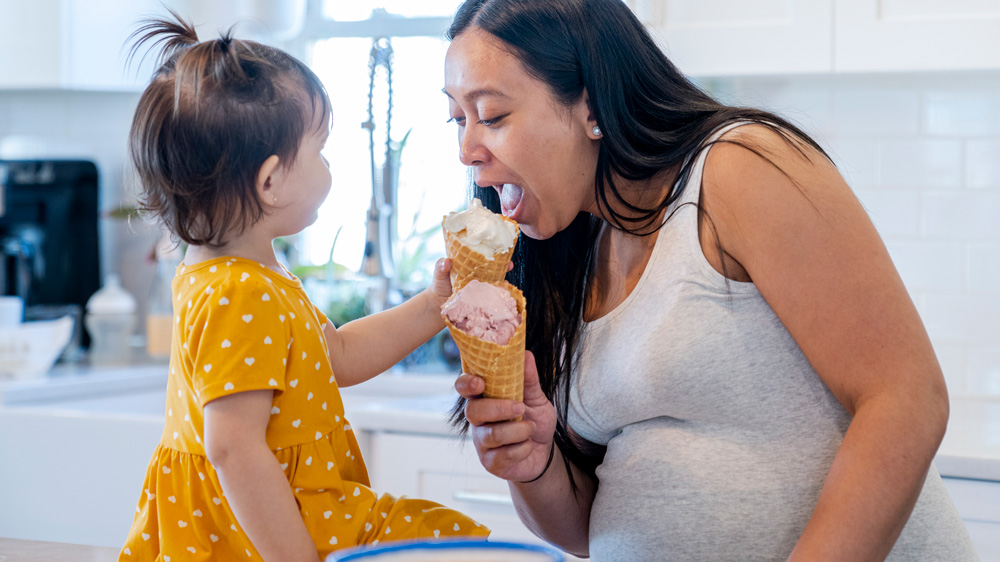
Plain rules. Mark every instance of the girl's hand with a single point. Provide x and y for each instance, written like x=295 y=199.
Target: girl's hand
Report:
x=440 y=288
x=512 y=450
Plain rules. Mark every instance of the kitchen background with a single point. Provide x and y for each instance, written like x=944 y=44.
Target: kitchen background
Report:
x=912 y=122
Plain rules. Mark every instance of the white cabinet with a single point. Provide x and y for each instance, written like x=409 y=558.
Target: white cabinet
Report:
x=978 y=503
x=736 y=37
x=873 y=35
x=445 y=470
x=84 y=44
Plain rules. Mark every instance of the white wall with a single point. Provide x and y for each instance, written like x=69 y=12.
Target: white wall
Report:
x=922 y=152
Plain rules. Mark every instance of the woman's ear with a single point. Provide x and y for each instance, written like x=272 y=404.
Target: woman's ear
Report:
x=267 y=180
x=585 y=113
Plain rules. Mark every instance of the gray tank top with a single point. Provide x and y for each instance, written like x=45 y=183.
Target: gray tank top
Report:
x=719 y=432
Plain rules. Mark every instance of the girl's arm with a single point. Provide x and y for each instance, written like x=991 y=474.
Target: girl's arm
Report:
x=369 y=346
x=816 y=258
x=255 y=486
x=519 y=451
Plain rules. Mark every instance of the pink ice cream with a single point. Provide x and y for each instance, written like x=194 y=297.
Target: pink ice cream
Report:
x=485 y=311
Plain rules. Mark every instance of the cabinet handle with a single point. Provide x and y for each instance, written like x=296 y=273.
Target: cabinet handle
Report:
x=483 y=497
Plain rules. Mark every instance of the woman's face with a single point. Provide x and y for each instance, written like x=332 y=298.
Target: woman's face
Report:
x=539 y=154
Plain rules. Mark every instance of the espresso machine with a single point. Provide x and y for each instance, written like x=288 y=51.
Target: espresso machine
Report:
x=48 y=237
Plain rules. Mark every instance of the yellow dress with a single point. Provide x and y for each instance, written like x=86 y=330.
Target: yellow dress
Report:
x=239 y=326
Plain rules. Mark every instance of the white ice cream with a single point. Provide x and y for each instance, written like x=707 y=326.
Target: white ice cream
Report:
x=481 y=229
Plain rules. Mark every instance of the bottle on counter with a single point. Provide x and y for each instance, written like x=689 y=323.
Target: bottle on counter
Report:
x=110 y=321
x=159 y=318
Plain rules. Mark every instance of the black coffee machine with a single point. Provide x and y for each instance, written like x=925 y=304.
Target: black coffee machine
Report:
x=48 y=235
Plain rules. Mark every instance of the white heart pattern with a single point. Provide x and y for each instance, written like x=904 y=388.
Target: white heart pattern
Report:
x=281 y=317
x=357 y=491
x=226 y=343
x=267 y=340
x=333 y=540
x=207 y=367
x=127 y=551
x=247 y=318
x=181 y=524
x=229 y=386
x=249 y=361
x=293 y=383
x=192 y=280
x=319 y=435
x=145 y=536
x=214 y=538
x=245 y=276
x=329 y=465
x=213 y=269
x=368 y=526
x=327 y=514
x=456 y=526
x=317 y=365
x=407 y=518
x=437 y=533
x=197 y=513
x=216 y=501
x=266 y=297
x=273 y=382
x=166 y=470
x=191 y=549
x=310 y=396
x=172 y=499
x=296 y=423
x=223 y=301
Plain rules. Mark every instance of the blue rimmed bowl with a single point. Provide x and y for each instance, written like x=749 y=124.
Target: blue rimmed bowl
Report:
x=449 y=551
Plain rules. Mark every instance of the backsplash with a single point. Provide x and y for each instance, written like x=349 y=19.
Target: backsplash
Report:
x=921 y=151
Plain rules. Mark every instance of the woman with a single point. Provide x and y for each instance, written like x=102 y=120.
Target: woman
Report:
x=725 y=364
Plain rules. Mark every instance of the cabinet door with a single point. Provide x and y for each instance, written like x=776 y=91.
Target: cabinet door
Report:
x=33 y=40
x=736 y=37
x=874 y=35
x=446 y=470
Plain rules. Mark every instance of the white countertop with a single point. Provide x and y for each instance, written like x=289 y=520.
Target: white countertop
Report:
x=408 y=403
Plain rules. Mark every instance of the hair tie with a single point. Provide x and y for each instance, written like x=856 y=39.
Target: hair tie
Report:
x=548 y=463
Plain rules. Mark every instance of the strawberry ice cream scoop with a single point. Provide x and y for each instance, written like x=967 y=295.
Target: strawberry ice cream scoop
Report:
x=485 y=311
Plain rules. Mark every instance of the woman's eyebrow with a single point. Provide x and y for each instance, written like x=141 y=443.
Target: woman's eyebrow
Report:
x=476 y=94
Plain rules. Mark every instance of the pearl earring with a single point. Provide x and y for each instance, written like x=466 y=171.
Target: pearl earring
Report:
x=596 y=130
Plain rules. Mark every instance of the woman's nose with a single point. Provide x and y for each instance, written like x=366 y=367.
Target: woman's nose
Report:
x=471 y=152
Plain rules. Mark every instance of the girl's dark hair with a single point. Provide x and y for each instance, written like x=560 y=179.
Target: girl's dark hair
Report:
x=652 y=118
x=213 y=112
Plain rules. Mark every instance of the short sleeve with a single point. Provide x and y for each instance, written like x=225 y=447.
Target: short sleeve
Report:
x=237 y=342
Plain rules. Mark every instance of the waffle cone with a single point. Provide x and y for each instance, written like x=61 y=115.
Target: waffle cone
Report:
x=501 y=366
x=468 y=264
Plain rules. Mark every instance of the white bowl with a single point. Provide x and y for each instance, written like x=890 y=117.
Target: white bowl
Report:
x=449 y=551
x=30 y=349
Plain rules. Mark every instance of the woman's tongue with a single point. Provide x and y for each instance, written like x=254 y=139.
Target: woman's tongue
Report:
x=510 y=196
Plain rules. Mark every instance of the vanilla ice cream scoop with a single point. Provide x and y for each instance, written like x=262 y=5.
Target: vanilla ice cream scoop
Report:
x=482 y=230
x=485 y=311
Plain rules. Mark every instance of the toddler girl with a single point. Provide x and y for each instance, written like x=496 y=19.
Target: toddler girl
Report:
x=256 y=460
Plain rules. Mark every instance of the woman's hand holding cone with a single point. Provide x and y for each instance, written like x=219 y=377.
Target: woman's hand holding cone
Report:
x=512 y=450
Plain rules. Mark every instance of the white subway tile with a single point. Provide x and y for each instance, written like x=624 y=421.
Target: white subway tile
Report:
x=962 y=319
x=858 y=160
x=933 y=163
x=984 y=371
x=100 y=114
x=883 y=111
x=38 y=114
x=928 y=266
x=895 y=213
x=962 y=214
x=982 y=167
x=951 y=357
x=963 y=112
x=983 y=268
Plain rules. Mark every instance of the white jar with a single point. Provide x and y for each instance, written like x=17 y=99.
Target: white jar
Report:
x=110 y=322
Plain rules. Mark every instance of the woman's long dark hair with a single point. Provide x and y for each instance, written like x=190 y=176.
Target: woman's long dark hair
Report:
x=652 y=118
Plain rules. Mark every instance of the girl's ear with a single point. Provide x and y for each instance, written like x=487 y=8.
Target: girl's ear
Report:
x=267 y=180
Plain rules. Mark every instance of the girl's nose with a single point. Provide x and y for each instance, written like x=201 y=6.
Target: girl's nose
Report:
x=471 y=152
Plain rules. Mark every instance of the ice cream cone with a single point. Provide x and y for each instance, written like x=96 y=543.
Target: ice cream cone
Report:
x=501 y=366
x=468 y=264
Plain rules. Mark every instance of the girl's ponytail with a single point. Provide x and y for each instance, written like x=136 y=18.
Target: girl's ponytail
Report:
x=172 y=36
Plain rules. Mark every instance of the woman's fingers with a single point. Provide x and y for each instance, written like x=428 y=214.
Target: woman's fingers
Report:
x=469 y=386
x=493 y=435
x=487 y=410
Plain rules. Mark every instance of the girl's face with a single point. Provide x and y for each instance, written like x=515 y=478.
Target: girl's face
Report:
x=307 y=181
x=540 y=155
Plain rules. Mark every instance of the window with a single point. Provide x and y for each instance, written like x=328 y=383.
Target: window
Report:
x=432 y=182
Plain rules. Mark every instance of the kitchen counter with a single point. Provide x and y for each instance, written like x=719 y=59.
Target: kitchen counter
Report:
x=396 y=402
x=16 y=550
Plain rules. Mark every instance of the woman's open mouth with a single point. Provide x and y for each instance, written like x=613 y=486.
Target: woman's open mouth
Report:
x=510 y=199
